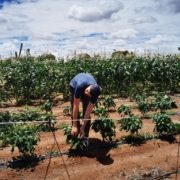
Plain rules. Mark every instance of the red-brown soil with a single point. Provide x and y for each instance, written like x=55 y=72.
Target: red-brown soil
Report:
x=149 y=159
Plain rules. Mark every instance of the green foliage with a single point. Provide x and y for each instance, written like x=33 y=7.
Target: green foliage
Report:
x=101 y=112
x=103 y=124
x=31 y=78
x=76 y=142
x=163 y=124
x=28 y=79
x=143 y=104
x=4 y=117
x=122 y=54
x=83 y=56
x=124 y=110
x=105 y=127
x=108 y=102
x=47 y=106
x=163 y=102
x=26 y=115
x=23 y=137
x=131 y=124
x=45 y=57
x=4 y=95
x=177 y=127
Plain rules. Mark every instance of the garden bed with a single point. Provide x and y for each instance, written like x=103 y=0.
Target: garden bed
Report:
x=147 y=159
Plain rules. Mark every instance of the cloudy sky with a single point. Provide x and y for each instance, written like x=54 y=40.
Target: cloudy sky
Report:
x=62 y=27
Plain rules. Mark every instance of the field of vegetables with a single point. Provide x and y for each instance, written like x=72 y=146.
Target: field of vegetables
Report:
x=135 y=128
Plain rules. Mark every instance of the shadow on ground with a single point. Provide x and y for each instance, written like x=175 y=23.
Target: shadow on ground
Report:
x=97 y=149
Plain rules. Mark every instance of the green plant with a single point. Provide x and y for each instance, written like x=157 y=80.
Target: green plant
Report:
x=131 y=123
x=47 y=106
x=108 y=102
x=76 y=142
x=163 y=124
x=163 y=102
x=101 y=112
x=143 y=104
x=4 y=95
x=124 y=110
x=5 y=117
x=23 y=137
x=106 y=127
x=177 y=127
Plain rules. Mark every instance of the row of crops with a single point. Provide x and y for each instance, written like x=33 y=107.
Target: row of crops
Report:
x=31 y=78
x=27 y=79
x=21 y=129
x=26 y=137
x=128 y=121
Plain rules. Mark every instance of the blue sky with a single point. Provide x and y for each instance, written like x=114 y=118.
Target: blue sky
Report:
x=62 y=27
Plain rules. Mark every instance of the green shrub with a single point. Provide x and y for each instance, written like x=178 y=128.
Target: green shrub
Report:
x=163 y=102
x=131 y=124
x=23 y=137
x=163 y=124
x=124 y=110
x=106 y=127
x=76 y=142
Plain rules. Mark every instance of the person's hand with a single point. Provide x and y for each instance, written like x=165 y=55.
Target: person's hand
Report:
x=74 y=131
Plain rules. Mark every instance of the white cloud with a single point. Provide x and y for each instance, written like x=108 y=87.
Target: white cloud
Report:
x=124 y=34
x=142 y=20
x=99 y=12
x=9 y=48
x=86 y=25
x=161 y=39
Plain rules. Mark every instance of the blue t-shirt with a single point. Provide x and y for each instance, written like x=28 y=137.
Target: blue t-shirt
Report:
x=80 y=82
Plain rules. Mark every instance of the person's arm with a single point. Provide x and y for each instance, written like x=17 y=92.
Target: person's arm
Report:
x=74 y=131
x=87 y=116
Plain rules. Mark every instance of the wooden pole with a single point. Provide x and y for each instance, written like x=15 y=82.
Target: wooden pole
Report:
x=20 y=49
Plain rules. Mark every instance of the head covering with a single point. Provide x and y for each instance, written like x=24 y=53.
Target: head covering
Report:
x=95 y=90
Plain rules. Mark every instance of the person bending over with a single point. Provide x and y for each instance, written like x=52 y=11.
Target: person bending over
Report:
x=83 y=87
